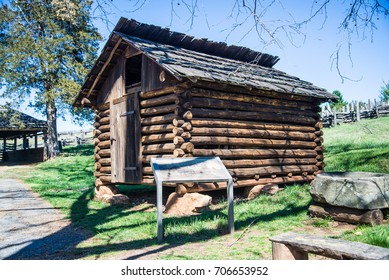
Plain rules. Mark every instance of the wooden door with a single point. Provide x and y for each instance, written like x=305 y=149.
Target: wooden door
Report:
x=126 y=167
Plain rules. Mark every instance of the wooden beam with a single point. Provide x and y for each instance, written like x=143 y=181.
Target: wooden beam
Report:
x=104 y=66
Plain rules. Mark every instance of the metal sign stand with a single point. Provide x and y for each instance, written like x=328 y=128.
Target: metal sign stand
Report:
x=186 y=170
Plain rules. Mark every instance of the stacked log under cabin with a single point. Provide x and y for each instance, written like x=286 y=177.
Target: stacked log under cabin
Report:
x=263 y=135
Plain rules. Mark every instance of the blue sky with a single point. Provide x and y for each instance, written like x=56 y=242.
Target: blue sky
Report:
x=309 y=58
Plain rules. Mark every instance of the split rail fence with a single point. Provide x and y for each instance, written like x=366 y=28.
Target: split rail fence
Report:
x=354 y=112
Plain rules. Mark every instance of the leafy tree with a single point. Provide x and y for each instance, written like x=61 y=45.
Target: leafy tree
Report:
x=340 y=102
x=46 y=49
x=384 y=93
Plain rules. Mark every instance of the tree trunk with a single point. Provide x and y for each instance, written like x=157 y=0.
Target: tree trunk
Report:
x=52 y=147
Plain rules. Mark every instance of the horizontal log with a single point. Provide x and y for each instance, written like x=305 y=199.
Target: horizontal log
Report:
x=252 y=116
x=251 y=107
x=187 y=115
x=251 y=142
x=349 y=215
x=105 y=169
x=178 y=140
x=158 y=149
x=255 y=153
x=178 y=122
x=228 y=123
x=255 y=133
x=96 y=132
x=165 y=109
x=157 y=101
x=103 y=107
x=158 y=138
x=97 y=157
x=104 y=136
x=96 y=141
x=178 y=131
x=178 y=153
x=187 y=126
x=228 y=88
x=97 y=118
x=105 y=153
x=97 y=166
x=166 y=119
x=104 y=120
x=104 y=113
x=105 y=161
x=272 y=170
x=147 y=158
x=166 y=90
x=188 y=147
x=105 y=128
x=104 y=144
x=196 y=92
x=105 y=178
x=96 y=125
x=156 y=129
x=268 y=162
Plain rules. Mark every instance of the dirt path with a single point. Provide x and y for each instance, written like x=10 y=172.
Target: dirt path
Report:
x=30 y=228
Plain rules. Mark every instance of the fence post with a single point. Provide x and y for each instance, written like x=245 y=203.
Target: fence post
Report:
x=335 y=119
x=358 y=111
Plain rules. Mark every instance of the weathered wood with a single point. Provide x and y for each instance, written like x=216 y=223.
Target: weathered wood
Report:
x=229 y=123
x=96 y=132
x=104 y=120
x=255 y=133
x=104 y=113
x=251 y=107
x=105 y=161
x=158 y=92
x=329 y=247
x=105 y=128
x=255 y=153
x=105 y=169
x=106 y=178
x=178 y=131
x=272 y=170
x=251 y=142
x=196 y=92
x=103 y=107
x=165 y=109
x=96 y=118
x=252 y=116
x=349 y=215
x=162 y=128
x=178 y=153
x=97 y=157
x=97 y=166
x=268 y=162
x=104 y=144
x=157 y=101
x=178 y=140
x=147 y=158
x=105 y=153
x=187 y=115
x=187 y=147
x=158 y=148
x=96 y=125
x=158 y=138
x=166 y=119
x=187 y=126
x=283 y=252
x=104 y=136
x=178 y=122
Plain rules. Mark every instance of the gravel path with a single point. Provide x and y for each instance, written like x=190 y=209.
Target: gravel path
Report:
x=30 y=228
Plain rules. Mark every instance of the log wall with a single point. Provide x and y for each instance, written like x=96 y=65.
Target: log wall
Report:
x=261 y=137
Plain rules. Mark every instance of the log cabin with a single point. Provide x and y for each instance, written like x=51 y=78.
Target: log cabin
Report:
x=158 y=93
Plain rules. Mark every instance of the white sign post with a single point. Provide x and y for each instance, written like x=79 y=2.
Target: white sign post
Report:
x=185 y=170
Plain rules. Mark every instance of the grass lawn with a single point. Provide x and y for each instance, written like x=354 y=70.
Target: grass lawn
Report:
x=67 y=183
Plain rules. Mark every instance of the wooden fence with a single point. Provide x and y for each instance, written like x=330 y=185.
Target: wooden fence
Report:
x=353 y=112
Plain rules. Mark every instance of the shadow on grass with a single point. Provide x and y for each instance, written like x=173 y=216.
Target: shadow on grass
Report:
x=63 y=244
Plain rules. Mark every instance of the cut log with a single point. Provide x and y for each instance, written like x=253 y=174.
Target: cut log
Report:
x=228 y=123
x=178 y=122
x=345 y=214
x=106 y=178
x=251 y=107
x=251 y=99
x=178 y=131
x=104 y=144
x=188 y=147
x=104 y=120
x=251 y=142
x=105 y=161
x=187 y=126
x=166 y=119
x=159 y=148
x=268 y=162
x=96 y=132
x=255 y=153
x=255 y=133
x=147 y=159
x=105 y=153
x=163 y=91
x=105 y=128
x=165 y=109
x=156 y=129
x=187 y=115
x=105 y=113
x=104 y=136
x=105 y=169
x=158 y=138
x=253 y=116
x=103 y=107
x=178 y=153
x=272 y=170
x=178 y=140
x=157 y=101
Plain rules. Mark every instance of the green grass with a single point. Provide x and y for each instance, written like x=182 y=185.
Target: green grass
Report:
x=360 y=146
x=67 y=183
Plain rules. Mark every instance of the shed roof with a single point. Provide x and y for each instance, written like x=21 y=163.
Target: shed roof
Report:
x=15 y=123
x=197 y=59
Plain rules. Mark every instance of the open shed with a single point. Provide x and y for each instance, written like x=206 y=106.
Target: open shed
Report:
x=22 y=136
x=158 y=93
